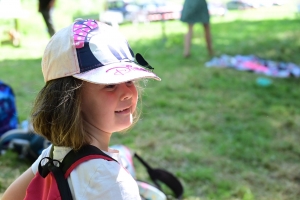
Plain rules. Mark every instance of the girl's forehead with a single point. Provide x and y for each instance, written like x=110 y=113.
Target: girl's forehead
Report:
x=86 y=83
x=94 y=86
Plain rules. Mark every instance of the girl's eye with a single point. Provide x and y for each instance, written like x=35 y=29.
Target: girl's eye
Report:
x=110 y=86
x=130 y=83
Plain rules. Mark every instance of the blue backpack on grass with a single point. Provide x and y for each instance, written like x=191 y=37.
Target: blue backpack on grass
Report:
x=8 y=111
x=23 y=140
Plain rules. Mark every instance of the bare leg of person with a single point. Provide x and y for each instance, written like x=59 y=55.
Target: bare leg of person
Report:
x=208 y=39
x=188 y=40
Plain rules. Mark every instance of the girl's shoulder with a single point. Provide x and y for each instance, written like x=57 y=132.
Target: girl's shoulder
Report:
x=45 y=153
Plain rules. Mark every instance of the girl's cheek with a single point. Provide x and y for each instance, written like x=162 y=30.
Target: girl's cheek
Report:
x=134 y=105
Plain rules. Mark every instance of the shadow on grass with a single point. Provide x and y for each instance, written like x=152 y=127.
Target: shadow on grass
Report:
x=236 y=119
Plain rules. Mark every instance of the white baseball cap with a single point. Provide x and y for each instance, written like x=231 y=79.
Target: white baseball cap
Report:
x=92 y=51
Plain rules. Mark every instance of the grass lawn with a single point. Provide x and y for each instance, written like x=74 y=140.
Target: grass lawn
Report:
x=224 y=136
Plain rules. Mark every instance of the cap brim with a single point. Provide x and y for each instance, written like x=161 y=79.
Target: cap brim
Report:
x=116 y=73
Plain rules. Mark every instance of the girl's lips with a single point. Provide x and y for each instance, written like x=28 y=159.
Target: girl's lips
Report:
x=125 y=111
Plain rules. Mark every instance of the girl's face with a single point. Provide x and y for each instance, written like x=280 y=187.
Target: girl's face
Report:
x=109 y=107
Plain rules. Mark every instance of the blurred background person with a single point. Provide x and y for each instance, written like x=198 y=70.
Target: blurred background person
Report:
x=46 y=9
x=196 y=11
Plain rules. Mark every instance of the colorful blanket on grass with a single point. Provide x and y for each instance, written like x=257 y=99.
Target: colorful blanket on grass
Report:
x=257 y=65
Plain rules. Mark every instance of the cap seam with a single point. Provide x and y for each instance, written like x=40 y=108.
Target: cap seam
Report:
x=77 y=70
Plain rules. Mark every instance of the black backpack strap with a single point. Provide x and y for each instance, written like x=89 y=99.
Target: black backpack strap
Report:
x=61 y=170
x=87 y=152
x=163 y=176
x=54 y=167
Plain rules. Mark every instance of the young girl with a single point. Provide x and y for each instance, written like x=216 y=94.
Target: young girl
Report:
x=90 y=93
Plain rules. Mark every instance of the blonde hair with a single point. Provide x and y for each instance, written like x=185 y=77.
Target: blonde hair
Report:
x=56 y=113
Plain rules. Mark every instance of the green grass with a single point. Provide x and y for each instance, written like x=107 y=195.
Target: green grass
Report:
x=224 y=136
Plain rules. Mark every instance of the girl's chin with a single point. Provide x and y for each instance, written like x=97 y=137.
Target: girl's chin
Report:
x=126 y=125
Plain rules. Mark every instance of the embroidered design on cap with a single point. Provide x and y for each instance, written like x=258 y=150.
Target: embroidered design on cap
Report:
x=98 y=45
x=81 y=30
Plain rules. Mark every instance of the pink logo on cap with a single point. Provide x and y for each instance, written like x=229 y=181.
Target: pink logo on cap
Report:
x=125 y=70
x=81 y=30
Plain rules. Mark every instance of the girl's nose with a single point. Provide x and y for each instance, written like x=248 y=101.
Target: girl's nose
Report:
x=126 y=92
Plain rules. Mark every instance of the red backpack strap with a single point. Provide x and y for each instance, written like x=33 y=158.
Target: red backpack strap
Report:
x=62 y=170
